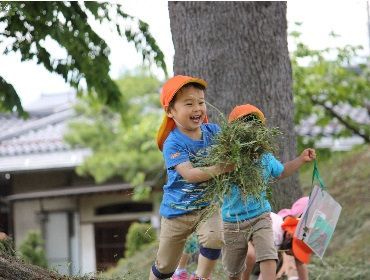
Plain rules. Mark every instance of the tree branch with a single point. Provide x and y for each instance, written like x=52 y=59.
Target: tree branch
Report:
x=350 y=126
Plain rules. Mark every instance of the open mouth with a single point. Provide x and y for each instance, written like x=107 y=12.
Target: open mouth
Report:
x=196 y=119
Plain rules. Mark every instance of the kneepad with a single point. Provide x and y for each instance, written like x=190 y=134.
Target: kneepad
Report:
x=160 y=275
x=209 y=253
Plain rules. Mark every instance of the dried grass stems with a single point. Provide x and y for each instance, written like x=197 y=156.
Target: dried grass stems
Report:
x=241 y=143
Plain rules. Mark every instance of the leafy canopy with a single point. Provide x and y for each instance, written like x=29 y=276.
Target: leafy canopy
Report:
x=326 y=80
x=122 y=143
x=28 y=26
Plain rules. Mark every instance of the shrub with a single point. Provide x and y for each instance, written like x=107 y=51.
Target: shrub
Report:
x=32 y=250
x=6 y=245
x=138 y=236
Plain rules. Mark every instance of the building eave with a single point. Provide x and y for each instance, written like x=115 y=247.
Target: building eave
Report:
x=43 y=161
x=87 y=190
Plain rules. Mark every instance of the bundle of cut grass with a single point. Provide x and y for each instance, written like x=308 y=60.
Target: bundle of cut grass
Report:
x=241 y=143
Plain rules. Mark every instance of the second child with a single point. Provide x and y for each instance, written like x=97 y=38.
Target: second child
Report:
x=248 y=219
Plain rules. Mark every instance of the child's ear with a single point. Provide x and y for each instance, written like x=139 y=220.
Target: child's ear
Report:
x=168 y=112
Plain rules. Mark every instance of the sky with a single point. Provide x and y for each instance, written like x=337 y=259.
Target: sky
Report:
x=348 y=18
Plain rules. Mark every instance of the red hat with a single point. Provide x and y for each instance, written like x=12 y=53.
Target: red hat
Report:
x=169 y=89
x=246 y=109
x=300 y=250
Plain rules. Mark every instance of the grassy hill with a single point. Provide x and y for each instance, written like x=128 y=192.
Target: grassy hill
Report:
x=347 y=176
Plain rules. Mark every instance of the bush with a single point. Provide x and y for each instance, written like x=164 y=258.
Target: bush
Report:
x=139 y=235
x=6 y=245
x=32 y=250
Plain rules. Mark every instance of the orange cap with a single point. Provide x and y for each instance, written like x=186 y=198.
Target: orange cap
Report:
x=169 y=89
x=246 y=109
x=300 y=250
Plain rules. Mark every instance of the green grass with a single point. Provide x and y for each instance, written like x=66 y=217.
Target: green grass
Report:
x=347 y=176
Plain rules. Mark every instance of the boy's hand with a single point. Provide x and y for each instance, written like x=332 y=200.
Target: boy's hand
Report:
x=225 y=168
x=308 y=155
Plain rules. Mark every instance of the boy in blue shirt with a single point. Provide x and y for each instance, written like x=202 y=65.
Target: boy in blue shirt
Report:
x=184 y=132
x=248 y=218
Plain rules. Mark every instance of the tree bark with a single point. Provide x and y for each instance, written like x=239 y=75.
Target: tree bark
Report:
x=241 y=50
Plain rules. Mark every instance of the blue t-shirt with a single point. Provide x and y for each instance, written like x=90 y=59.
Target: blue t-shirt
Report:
x=235 y=208
x=179 y=196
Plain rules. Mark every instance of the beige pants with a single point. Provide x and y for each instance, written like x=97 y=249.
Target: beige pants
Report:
x=175 y=231
x=237 y=235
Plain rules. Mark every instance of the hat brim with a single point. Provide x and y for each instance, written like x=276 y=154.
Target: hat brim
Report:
x=301 y=251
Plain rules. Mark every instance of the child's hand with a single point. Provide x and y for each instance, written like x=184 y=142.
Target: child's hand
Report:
x=308 y=155
x=225 y=168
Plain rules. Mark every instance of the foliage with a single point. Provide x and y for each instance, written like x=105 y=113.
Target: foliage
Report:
x=122 y=143
x=29 y=26
x=326 y=81
x=134 y=267
x=242 y=144
x=32 y=251
x=7 y=246
x=137 y=237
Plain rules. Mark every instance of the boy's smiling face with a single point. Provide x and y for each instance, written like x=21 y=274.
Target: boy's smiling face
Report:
x=188 y=111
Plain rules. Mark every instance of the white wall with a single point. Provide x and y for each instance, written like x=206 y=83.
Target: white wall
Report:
x=88 y=258
x=26 y=214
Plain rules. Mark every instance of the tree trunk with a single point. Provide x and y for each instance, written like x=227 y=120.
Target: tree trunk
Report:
x=240 y=49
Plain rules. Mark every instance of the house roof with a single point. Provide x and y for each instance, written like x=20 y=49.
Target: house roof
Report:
x=37 y=142
x=68 y=191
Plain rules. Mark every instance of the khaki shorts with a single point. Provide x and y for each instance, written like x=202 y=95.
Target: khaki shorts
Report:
x=175 y=231
x=237 y=235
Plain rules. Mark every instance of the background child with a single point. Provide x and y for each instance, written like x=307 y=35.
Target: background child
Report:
x=183 y=133
x=248 y=219
x=297 y=254
x=191 y=247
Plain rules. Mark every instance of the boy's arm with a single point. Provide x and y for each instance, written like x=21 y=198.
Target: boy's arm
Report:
x=292 y=166
x=200 y=174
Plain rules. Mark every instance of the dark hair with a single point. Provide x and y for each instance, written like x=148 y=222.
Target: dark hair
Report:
x=192 y=84
x=251 y=118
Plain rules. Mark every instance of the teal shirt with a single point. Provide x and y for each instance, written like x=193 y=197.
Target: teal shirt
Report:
x=236 y=209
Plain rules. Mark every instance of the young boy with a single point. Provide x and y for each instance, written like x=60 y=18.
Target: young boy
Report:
x=249 y=219
x=183 y=133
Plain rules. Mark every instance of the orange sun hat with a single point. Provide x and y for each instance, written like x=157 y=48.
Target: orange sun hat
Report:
x=300 y=250
x=169 y=89
x=246 y=109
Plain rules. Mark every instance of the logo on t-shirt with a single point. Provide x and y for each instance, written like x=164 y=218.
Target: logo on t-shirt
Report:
x=175 y=155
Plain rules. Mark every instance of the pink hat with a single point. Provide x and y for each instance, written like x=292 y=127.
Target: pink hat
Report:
x=297 y=208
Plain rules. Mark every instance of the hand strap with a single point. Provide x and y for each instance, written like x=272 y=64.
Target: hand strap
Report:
x=316 y=174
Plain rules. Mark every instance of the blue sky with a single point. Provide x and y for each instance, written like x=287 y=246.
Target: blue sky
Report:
x=347 y=18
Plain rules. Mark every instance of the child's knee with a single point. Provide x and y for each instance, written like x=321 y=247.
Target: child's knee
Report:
x=209 y=253
x=159 y=274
